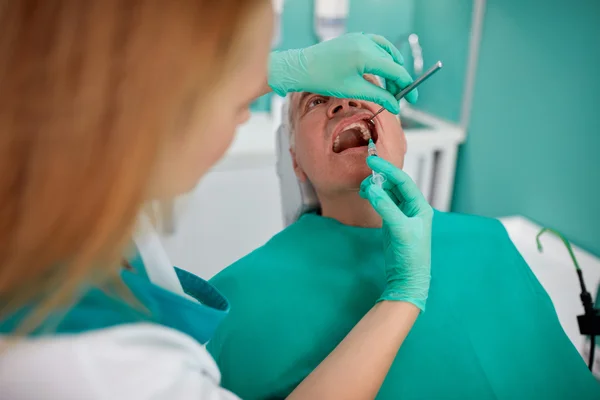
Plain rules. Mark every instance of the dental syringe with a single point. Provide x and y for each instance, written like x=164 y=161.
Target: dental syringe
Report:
x=376 y=178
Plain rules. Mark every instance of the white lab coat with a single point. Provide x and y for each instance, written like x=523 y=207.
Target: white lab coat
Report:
x=132 y=362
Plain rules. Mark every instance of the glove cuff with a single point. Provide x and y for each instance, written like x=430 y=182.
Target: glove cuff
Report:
x=414 y=290
x=419 y=303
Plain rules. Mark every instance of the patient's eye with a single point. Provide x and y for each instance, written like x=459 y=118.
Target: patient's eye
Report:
x=315 y=101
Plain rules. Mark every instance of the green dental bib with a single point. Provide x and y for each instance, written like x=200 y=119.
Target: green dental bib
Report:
x=489 y=331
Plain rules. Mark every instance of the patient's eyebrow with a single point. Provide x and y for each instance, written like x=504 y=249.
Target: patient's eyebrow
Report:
x=303 y=97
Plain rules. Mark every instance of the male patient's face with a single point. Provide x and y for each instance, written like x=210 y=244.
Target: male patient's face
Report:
x=331 y=137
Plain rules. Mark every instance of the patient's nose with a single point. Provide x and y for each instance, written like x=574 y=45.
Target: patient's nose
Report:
x=338 y=105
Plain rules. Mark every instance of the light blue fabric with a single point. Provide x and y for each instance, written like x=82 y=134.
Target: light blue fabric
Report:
x=102 y=308
x=489 y=332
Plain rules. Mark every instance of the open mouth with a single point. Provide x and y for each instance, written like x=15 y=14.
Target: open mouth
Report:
x=356 y=134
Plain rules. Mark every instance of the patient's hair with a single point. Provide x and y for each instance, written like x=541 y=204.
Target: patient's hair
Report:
x=91 y=89
x=287 y=119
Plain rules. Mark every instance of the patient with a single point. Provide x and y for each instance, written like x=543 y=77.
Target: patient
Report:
x=489 y=330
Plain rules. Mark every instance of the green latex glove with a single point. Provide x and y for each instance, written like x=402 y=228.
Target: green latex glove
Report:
x=406 y=233
x=337 y=67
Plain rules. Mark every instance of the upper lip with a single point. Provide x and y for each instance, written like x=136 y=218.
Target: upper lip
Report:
x=347 y=121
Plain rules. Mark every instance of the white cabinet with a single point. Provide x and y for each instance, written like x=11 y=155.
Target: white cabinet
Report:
x=229 y=214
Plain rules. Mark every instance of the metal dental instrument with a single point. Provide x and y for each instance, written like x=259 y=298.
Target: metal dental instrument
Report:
x=413 y=85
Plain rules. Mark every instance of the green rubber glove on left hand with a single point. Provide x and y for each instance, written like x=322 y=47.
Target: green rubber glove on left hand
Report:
x=337 y=67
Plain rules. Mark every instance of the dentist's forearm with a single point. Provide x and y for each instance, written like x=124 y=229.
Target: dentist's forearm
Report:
x=355 y=370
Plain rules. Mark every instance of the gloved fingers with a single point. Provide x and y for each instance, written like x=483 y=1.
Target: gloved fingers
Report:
x=388 y=47
x=392 y=87
x=406 y=187
x=412 y=96
x=364 y=186
x=387 y=186
x=384 y=205
x=391 y=71
x=395 y=196
x=398 y=201
x=365 y=90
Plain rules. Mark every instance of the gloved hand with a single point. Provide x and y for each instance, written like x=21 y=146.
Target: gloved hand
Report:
x=407 y=221
x=336 y=68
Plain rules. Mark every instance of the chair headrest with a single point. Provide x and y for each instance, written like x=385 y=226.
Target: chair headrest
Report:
x=297 y=197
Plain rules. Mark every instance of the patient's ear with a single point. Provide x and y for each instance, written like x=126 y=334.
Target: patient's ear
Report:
x=297 y=169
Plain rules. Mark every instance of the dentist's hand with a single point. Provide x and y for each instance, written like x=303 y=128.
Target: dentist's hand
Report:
x=407 y=219
x=337 y=67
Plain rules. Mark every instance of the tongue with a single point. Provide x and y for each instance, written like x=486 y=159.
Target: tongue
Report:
x=350 y=138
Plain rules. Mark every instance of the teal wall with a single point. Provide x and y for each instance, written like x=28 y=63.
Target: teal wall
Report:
x=533 y=144
x=390 y=18
x=444 y=27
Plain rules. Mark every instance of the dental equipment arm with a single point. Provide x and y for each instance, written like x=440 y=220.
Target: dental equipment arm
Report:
x=358 y=366
x=589 y=322
x=337 y=67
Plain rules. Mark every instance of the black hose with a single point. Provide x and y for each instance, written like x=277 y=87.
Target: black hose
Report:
x=592 y=349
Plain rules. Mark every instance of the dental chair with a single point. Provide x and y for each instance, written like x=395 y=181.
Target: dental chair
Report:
x=297 y=198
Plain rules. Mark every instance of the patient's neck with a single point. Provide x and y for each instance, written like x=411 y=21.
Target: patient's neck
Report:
x=349 y=209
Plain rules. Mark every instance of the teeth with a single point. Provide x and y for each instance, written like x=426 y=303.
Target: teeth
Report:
x=366 y=135
x=362 y=127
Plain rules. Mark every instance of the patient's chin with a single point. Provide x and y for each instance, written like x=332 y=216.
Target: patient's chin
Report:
x=340 y=175
x=353 y=177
